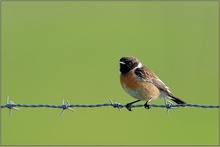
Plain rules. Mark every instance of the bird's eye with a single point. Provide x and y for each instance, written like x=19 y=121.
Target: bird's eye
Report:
x=131 y=62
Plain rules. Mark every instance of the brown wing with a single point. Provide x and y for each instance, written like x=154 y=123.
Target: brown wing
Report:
x=147 y=75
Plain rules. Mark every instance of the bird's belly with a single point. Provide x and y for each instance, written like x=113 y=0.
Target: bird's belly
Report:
x=134 y=93
x=137 y=88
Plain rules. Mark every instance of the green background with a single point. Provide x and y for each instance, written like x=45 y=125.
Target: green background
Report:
x=56 y=50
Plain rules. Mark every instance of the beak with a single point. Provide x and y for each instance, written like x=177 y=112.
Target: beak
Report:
x=122 y=63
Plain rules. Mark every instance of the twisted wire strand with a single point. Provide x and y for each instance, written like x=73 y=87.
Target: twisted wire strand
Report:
x=11 y=105
x=106 y=105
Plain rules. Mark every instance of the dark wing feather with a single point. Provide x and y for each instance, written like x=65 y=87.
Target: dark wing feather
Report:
x=148 y=76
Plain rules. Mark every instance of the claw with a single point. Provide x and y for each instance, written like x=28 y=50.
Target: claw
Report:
x=147 y=106
x=128 y=106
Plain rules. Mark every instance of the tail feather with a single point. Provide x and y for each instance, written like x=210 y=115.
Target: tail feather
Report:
x=176 y=99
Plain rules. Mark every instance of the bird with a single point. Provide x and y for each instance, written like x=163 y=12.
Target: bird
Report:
x=142 y=83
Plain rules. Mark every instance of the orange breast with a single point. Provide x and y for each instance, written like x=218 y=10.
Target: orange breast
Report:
x=137 y=88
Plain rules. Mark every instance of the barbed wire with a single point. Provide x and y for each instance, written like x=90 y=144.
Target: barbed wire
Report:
x=11 y=105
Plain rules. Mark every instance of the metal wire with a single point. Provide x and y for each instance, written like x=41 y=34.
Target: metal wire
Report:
x=10 y=105
x=105 y=105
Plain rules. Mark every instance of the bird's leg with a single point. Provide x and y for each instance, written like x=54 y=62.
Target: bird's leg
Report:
x=128 y=105
x=146 y=105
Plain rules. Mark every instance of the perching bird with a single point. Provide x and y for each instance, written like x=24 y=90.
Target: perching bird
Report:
x=141 y=83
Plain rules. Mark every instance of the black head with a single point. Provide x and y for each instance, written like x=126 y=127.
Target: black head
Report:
x=128 y=63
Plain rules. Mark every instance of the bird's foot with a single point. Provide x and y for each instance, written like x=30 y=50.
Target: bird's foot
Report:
x=147 y=106
x=128 y=106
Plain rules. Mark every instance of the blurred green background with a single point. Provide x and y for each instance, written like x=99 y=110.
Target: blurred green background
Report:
x=70 y=50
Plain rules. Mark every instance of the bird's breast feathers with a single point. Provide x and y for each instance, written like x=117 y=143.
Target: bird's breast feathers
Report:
x=138 y=88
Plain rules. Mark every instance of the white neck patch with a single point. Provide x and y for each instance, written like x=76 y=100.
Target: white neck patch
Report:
x=139 y=66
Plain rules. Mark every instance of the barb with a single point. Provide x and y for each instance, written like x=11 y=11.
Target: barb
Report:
x=10 y=105
x=116 y=105
x=66 y=106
